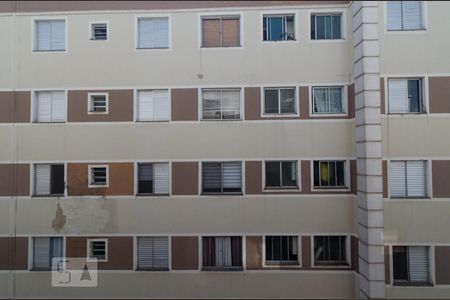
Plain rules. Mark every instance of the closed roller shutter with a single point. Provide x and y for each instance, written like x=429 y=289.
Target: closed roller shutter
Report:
x=50 y=106
x=41 y=252
x=212 y=177
x=153 y=105
x=397 y=178
x=398 y=95
x=232 y=175
x=412 y=15
x=161 y=178
x=50 y=35
x=153 y=33
x=418 y=263
x=416 y=175
x=394 y=15
x=153 y=252
x=42 y=179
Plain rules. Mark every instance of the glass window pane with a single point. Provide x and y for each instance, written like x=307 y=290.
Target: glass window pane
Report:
x=273 y=174
x=414 y=95
x=276 y=30
x=265 y=31
x=400 y=262
x=316 y=174
x=340 y=180
x=212 y=177
x=313 y=27
x=284 y=248
x=320 y=27
x=320 y=100
x=319 y=248
x=336 y=24
x=332 y=175
x=289 y=174
x=327 y=27
x=269 y=248
x=230 y=104
x=276 y=241
x=335 y=251
x=324 y=174
x=271 y=101
x=211 y=104
x=287 y=101
x=336 y=100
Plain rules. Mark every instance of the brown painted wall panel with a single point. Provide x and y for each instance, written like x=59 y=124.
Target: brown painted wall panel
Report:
x=252 y=97
x=440 y=176
x=306 y=252
x=254 y=252
x=306 y=176
x=13 y=253
x=354 y=254
x=442 y=264
x=14 y=179
x=351 y=101
x=121 y=180
x=50 y=6
x=439 y=94
x=184 y=104
x=353 y=176
x=184 y=253
x=304 y=102
x=382 y=96
x=185 y=178
x=384 y=169
x=15 y=107
x=120 y=106
x=253 y=177
x=387 y=266
x=120 y=251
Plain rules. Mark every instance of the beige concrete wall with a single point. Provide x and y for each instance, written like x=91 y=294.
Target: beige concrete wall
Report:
x=256 y=62
x=200 y=140
x=416 y=221
x=185 y=214
x=415 y=136
x=416 y=52
x=273 y=284
x=395 y=292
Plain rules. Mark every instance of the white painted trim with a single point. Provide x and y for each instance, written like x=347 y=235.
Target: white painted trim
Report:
x=428 y=179
x=279 y=115
x=344 y=98
x=90 y=104
x=279 y=12
x=88 y=250
x=136 y=106
x=241 y=107
x=90 y=35
x=287 y=266
x=328 y=11
x=347 y=176
x=57 y=16
x=90 y=183
x=415 y=31
x=347 y=253
x=33 y=106
x=297 y=189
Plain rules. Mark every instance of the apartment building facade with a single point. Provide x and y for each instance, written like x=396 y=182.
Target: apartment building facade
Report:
x=224 y=149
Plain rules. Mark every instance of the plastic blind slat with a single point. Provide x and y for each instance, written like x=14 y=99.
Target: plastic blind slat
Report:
x=42 y=179
x=44 y=107
x=161 y=178
x=43 y=35
x=412 y=15
x=212 y=175
x=415 y=173
x=153 y=33
x=58 y=107
x=153 y=252
x=397 y=178
x=394 y=15
x=418 y=264
x=232 y=175
x=160 y=105
x=41 y=252
x=398 y=95
x=58 y=36
x=146 y=172
x=145 y=105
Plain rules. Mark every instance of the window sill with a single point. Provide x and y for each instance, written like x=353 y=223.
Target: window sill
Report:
x=407 y=113
x=406 y=30
x=37 y=122
x=281 y=189
x=282 y=264
x=323 y=115
x=40 y=269
x=152 y=269
x=331 y=189
x=98 y=113
x=221 y=47
x=331 y=264
x=327 y=40
x=222 y=269
x=160 y=48
x=151 y=121
x=409 y=198
x=220 y=120
x=48 y=196
x=280 y=115
x=95 y=186
x=413 y=284
x=151 y=195
x=222 y=194
x=280 y=41
x=43 y=51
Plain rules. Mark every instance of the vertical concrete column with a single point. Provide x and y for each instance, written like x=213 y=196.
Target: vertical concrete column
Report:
x=366 y=69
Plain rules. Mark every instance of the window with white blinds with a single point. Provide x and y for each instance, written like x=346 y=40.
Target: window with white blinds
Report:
x=44 y=250
x=153 y=105
x=405 y=15
x=407 y=179
x=221 y=104
x=153 y=178
x=48 y=179
x=50 y=35
x=153 y=33
x=405 y=95
x=152 y=253
x=221 y=177
x=50 y=107
x=98 y=249
x=411 y=264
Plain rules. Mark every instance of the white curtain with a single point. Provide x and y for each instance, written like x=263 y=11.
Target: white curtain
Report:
x=223 y=251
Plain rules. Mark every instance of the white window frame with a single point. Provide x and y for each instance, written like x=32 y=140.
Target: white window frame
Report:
x=152 y=16
x=348 y=254
x=267 y=264
x=413 y=31
x=136 y=104
x=91 y=32
x=329 y=11
x=32 y=176
x=209 y=194
x=224 y=14
x=344 y=88
x=241 y=104
x=428 y=180
x=347 y=176
x=34 y=106
x=89 y=257
x=90 y=103
x=30 y=252
x=280 y=13
x=90 y=176
x=297 y=188
x=243 y=266
x=423 y=94
x=34 y=35
x=136 y=175
x=280 y=115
